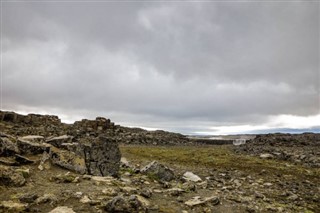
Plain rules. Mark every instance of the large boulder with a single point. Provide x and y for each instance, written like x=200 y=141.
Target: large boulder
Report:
x=99 y=156
x=102 y=157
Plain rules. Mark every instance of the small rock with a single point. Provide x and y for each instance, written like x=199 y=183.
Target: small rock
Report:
x=11 y=177
x=198 y=201
x=107 y=179
x=128 y=189
x=28 y=198
x=44 y=163
x=203 y=184
x=147 y=193
x=267 y=184
x=189 y=186
x=109 y=192
x=85 y=199
x=189 y=176
x=124 y=204
x=259 y=195
x=87 y=177
x=12 y=207
x=124 y=162
x=46 y=198
x=62 y=209
x=293 y=197
x=266 y=156
x=66 y=178
x=175 y=191
x=25 y=172
x=144 y=202
x=78 y=194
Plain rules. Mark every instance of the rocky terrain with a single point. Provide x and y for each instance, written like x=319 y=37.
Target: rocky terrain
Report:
x=48 y=125
x=297 y=148
x=97 y=166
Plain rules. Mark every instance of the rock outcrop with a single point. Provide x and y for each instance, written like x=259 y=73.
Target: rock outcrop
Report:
x=98 y=156
x=32 y=119
x=297 y=148
x=50 y=126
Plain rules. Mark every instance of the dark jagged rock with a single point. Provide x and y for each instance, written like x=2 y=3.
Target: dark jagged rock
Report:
x=23 y=160
x=7 y=146
x=102 y=157
x=27 y=147
x=99 y=156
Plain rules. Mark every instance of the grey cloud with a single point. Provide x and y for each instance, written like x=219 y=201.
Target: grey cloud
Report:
x=173 y=65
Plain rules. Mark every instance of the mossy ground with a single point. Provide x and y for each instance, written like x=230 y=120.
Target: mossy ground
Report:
x=217 y=157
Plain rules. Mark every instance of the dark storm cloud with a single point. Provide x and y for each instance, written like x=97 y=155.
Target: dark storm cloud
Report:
x=162 y=64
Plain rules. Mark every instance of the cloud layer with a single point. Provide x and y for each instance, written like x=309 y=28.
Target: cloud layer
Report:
x=182 y=66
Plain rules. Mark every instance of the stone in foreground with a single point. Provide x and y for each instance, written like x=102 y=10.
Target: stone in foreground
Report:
x=7 y=147
x=62 y=209
x=195 y=201
x=68 y=160
x=102 y=157
x=189 y=176
x=12 y=207
x=11 y=177
x=129 y=204
x=158 y=170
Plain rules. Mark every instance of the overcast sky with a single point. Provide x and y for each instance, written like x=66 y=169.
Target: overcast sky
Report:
x=190 y=67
